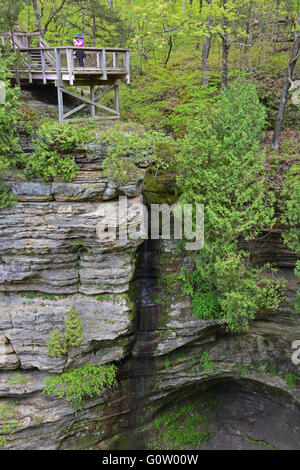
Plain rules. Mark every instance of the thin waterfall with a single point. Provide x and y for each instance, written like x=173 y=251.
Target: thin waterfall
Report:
x=146 y=322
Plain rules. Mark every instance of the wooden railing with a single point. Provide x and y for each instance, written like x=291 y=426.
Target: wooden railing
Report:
x=62 y=61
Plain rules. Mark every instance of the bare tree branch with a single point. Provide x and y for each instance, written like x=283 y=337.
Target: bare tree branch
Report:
x=53 y=15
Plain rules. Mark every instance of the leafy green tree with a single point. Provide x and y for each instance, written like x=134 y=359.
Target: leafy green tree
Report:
x=9 y=13
x=10 y=150
x=39 y=10
x=221 y=167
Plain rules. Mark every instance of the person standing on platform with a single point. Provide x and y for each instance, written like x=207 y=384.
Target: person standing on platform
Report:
x=78 y=41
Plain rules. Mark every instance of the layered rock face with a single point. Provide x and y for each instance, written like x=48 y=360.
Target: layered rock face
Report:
x=248 y=376
x=57 y=252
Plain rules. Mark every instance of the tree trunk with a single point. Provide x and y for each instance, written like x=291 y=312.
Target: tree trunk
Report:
x=111 y=5
x=38 y=19
x=169 y=51
x=206 y=50
x=225 y=50
x=284 y=95
x=83 y=18
x=94 y=31
x=225 y=54
x=205 y=54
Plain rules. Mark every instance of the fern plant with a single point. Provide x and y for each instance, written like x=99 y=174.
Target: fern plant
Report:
x=77 y=384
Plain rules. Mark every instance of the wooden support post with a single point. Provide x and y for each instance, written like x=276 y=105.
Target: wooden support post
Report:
x=92 y=97
x=60 y=103
x=43 y=66
x=117 y=99
x=127 y=66
x=70 y=65
x=60 y=98
x=30 y=73
x=58 y=64
x=103 y=65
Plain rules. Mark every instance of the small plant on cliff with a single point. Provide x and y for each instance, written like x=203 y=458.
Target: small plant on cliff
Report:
x=206 y=363
x=57 y=345
x=59 y=342
x=205 y=304
x=8 y=423
x=74 y=328
x=87 y=381
x=128 y=146
x=51 y=141
x=179 y=429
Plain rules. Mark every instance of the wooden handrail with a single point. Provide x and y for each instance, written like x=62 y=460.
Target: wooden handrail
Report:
x=90 y=49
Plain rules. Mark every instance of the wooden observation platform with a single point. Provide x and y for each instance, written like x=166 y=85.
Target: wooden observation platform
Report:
x=104 y=68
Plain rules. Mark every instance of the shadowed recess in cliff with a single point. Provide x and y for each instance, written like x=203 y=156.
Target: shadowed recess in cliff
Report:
x=146 y=321
x=229 y=415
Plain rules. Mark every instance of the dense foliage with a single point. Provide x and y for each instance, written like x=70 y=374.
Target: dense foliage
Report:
x=221 y=166
x=78 y=384
x=128 y=145
x=10 y=150
x=290 y=207
x=51 y=141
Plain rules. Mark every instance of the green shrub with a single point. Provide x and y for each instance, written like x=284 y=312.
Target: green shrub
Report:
x=120 y=170
x=128 y=145
x=8 y=423
x=7 y=198
x=290 y=218
x=10 y=150
x=290 y=378
x=51 y=141
x=290 y=203
x=57 y=345
x=206 y=363
x=179 y=429
x=87 y=381
x=47 y=165
x=74 y=328
x=59 y=342
x=63 y=136
x=205 y=305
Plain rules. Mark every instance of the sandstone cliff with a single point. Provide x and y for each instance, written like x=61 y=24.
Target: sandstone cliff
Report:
x=51 y=259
